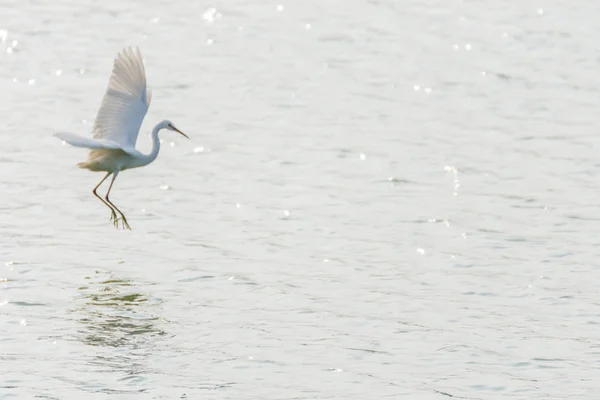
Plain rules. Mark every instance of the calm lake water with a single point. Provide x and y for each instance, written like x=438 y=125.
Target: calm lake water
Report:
x=379 y=200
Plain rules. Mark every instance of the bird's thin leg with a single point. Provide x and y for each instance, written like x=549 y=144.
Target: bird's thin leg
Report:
x=113 y=214
x=124 y=220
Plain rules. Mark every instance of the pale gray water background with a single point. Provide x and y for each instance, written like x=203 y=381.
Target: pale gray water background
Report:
x=380 y=200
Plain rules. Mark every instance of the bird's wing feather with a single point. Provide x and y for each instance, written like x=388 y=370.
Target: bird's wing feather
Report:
x=80 y=141
x=126 y=101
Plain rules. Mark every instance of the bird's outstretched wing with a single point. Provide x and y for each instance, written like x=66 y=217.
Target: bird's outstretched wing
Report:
x=80 y=141
x=126 y=101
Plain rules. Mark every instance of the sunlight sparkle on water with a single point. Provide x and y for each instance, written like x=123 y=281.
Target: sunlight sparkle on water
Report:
x=454 y=172
x=211 y=15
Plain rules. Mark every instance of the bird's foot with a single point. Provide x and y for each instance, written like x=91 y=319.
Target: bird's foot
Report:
x=115 y=220
x=124 y=223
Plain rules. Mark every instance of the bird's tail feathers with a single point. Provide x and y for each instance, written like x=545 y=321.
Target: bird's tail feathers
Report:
x=84 y=164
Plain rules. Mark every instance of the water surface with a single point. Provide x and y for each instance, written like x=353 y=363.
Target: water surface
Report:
x=379 y=200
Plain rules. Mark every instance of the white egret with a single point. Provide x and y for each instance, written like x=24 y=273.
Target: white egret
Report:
x=117 y=125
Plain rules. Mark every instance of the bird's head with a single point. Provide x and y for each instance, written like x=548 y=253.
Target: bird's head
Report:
x=166 y=124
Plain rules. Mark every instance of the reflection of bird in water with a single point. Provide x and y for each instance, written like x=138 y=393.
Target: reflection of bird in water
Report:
x=117 y=320
x=114 y=314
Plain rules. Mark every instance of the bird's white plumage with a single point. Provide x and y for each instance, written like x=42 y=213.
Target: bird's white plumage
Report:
x=125 y=103
x=80 y=141
x=117 y=125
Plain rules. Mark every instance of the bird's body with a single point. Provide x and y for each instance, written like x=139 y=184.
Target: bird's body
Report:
x=117 y=125
x=109 y=160
x=113 y=159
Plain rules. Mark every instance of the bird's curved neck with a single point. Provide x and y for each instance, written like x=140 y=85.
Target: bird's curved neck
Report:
x=148 y=158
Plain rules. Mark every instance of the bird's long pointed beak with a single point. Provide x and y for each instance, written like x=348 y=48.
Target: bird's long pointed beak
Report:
x=181 y=132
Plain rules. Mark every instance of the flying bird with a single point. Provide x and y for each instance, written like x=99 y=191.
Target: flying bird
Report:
x=117 y=125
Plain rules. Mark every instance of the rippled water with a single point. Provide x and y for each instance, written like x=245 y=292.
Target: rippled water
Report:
x=380 y=200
